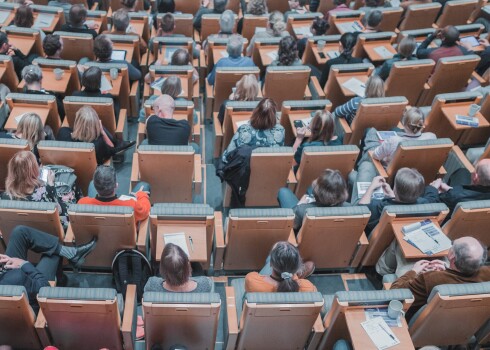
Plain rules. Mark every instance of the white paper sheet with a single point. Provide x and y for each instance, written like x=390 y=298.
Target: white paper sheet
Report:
x=169 y=51
x=385 y=135
x=305 y=31
x=19 y=118
x=380 y=333
x=383 y=52
x=224 y=54
x=43 y=20
x=383 y=313
x=362 y=188
x=356 y=86
x=333 y=54
x=3 y=16
x=428 y=238
x=272 y=55
x=178 y=239
x=260 y=29
x=349 y=27
x=105 y=84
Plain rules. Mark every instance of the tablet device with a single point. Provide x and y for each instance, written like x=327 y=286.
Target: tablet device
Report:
x=470 y=40
x=119 y=55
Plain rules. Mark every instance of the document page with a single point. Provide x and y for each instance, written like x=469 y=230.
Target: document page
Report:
x=177 y=239
x=383 y=52
x=356 y=86
x=43 y=20
x=380 y=333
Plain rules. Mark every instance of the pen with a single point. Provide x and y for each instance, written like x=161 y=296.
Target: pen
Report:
x=191 y=243
x=389 y=334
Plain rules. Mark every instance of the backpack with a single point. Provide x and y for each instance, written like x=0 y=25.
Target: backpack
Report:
x=65 y=183
x=131 y=267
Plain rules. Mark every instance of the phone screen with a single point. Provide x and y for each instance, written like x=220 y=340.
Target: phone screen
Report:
x=470 y=40
x=322 y=55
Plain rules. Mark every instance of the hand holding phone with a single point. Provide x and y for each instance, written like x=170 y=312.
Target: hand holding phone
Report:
x=298 y=124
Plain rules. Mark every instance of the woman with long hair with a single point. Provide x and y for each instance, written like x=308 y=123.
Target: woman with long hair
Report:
x=287 y=54
x=247 y=89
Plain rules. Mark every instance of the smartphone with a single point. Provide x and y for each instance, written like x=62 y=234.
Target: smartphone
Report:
x=44 y=174
x=298 y=124
x=321 y=54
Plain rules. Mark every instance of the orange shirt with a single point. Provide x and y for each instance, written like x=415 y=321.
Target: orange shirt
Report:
x=141 y=204
x=254 y=282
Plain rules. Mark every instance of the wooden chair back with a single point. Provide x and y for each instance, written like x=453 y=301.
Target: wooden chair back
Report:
x=420 y=16
x=274 y=87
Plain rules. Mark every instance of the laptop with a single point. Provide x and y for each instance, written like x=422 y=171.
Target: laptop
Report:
x=119 y=55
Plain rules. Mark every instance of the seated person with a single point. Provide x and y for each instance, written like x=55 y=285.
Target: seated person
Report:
x=322 y=129
x=462 y=188
x=484 y=63
x=263 y=130
x=91 y=80
x=102 y=191
x=218 y=8
x=24 y=183
x=234 y=48
x=131 y=5
x=328 y=190
x=252 y=7
x=287 y=54
x=76 y=24
x=163 y=6
x=449 y=36
x=375 y=88
x=226 y=26
x=121 y=26
x=162 y=128
x=65 y=5
x=409 y=189
x=373 y=20
x=175 y=268
x=24 y=18
x=246 y=89
x=53 y=46
x=276 y=27
x=296 y=6
x=340 y=5
x=103 y=53
x=20 y=272
x=404 y=53
x=466 y=257
x=180 y=57
x=319 y=26
x=18 y=58
x=370 y=5
x=283 y=272
x=166 y=27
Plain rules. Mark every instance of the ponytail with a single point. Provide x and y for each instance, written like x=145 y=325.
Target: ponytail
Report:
x=285 y=261
x=287 y=283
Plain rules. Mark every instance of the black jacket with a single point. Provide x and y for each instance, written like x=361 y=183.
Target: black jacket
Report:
x=464 y=193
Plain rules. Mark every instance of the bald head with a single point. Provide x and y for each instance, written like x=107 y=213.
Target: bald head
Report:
x=482 y=173
x=164 y=106
x=467 y=255
x=450 y=35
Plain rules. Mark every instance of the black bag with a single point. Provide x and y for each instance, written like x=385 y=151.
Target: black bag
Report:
x=131 y=267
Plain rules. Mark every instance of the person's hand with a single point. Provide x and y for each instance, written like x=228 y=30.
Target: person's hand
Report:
x=301 y=132
x=437 y=265
x=14 y=263
x=436 y=183
x=444 y=187
x=438 y=33
x=484 y=42
x=142 y=189
x=466 y=45
x=205 y=3
x=93 y=25
x=421 y=266
x=4 y=258
x=387 y=190
x=303 y=200
x=159 y=31
x=378 y=181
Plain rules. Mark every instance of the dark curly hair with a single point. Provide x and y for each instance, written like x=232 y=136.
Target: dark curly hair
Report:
x=288 y=51
x=320 y=26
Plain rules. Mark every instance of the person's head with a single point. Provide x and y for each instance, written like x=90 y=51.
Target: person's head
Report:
x=120 y=20
x=276 y=23
x=322 y=126
x=467 y=255
x=219 y=6
x=247 y=88
x=4 y=43
x=32 y=74
x=164 y=106
x=409 y=185
x=319 y=26
x=175 y=267
x=450 y=35
x=87 y=126
x=481 y=176
x=53 y=45
x=168 y=23
x=227 y=22
x=180 y=57
x=31 y=128
x=285 y=262
x=375 y=87
x=172 y=86
x=339 y=2
x=166 y=6
x=347 y=43
x=374 y=18
x=406 y=46
x=234 y=47
x=371 y=3
x=91 y=78
x=257 y=7
x=103 y=47
x=288 y=51
x=128 y=4
x=330 y=188
x=24 y=17
x=413 y=121
x=22 y=175
x=77 y=15
x=105 y=181
x=264 y=115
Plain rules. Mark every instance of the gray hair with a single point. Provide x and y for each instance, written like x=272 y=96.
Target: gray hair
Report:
x=227 y=22
x=234 y=46
x=32 y=74
x=105 y=180
x=465 y=261
x=120 y=19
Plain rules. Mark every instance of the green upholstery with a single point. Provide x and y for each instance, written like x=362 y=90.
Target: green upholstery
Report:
x=12 y=291
x=181 y=298
x=66 y=144
x=176 y=209
x=26 y=205
x=100 y=209
x=68 y=293
x=260 y=213
x=337 y=211
x=158 y=148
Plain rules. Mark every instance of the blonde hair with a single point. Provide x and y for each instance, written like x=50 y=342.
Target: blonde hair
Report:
x=276 y=23
x=31 y=129
x=87 y=125
x=375 y=87
x=22 y=175
x=413 y=120
x=247 y=88
x=257 y=7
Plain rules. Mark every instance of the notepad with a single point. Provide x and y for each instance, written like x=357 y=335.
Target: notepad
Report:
x=380 y=333
x=305 y=31
x=157 y=85
x=105 y=84
x=356 y=86
x=333 y=54
x=43 y=20
x=385 y=135
x=468 y=121
x=362 y=189
x=471 y=40
x=3 y=16
x=383 y=313
x=89 y=22
x=349 y=27
x=272 y=55
x=178 y=239
x=383 y=52
x=427 y=237
x=169 y=51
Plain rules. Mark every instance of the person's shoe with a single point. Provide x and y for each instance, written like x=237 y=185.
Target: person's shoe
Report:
x=123 y=146
x=306 y=270
x=82 y=251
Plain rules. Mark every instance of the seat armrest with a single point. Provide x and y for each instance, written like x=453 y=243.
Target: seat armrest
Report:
x=41 y=330
x=232 y=318
x=197 y=173
x=135 y=171
x=307 y=93
x=220 y=245
x=318 y=89
x=141 y=133
x=121 y=124
x=361 y=248
x=128 y=327
x=133 y=99
x=143 y=235
x=316 y=334
x=462 y=158
x=345 y=130
x=478 y=78
x=195 y=94
x=146 y=92
x=379 y=167
x=218 y=132
x=209 y=99
x=292 y=181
